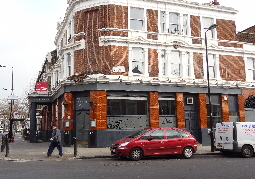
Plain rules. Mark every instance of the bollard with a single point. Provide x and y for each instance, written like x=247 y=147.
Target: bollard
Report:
x=3 y=143
x=6 y=145
x=75 y=146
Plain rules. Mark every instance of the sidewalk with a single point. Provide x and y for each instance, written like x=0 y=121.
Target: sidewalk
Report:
x=22 y=150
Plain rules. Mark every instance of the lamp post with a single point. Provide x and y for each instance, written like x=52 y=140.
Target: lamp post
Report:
x=208 y=86
x=11 y=98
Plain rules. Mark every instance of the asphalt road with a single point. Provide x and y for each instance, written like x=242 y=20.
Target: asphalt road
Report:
x=204 y=167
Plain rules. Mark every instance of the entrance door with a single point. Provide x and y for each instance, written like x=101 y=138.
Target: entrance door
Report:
x=191 y=114
x=82 y=127
x=191 y=123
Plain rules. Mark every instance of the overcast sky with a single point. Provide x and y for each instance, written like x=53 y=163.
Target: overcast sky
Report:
x=27 y=34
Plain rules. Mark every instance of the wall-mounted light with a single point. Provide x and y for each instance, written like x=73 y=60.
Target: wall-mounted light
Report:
x=91 y=104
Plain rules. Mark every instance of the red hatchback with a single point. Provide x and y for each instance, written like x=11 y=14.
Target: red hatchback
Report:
x=155 y=141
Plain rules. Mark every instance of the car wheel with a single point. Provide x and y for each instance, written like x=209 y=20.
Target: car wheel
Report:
x=187 y=152
x=247 y=151
x=135 y=154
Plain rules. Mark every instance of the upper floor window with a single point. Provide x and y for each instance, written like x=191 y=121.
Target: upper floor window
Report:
x=175 y=63
x=69 y=36
x=162 y=21
x=185 y=24
x=206 y=23
x=163 y=61
x=173 y=23
x=251 y=68
x=174 y=20
x=187 y=64
x=136 y=18
x=212 y=65
x=69 y=65
x=138 y=66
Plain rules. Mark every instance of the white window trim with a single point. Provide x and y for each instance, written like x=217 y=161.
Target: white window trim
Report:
x=130 y=61
x=180 y=24
x=216 y=67
x=249 y=78
x=203 y=28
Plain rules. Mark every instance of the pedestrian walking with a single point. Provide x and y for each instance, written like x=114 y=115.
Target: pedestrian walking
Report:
x=55 y=142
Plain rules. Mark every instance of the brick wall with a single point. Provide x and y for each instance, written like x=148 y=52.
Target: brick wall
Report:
x=95 y=58
x=195 y=29
x=247 y=35
x=152 y=23
x=232 y=68
x=198 y=65
x=226 y=30
x=118 y=56
x=153 y=62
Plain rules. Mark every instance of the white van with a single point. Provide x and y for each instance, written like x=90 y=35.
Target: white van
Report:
x=236 y=137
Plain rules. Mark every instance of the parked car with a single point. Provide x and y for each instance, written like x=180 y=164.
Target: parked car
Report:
x=155 y=141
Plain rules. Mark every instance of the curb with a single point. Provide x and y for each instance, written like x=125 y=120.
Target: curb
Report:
x=110 y=156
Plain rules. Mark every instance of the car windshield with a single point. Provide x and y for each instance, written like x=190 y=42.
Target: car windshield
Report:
x=138 y=133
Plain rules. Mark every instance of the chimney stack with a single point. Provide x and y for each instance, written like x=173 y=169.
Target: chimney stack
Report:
x=215 y=2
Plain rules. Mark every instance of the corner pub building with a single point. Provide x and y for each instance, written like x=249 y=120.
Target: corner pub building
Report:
x=123 y=65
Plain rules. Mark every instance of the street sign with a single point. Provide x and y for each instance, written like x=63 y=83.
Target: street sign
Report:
x=12 y=97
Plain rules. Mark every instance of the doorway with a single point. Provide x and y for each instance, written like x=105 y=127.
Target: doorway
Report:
x=191 y=115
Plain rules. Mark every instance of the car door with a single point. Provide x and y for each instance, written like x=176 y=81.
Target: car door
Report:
x=174 y=142
x=153 y=142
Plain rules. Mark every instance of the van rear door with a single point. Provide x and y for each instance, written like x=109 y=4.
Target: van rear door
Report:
x=224 y=136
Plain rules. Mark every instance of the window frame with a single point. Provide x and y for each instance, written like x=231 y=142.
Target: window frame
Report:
x=124 y=101
x=251 y=71
x=173 y=63
x=211 y=34
x=135 y=19
x=138 y=61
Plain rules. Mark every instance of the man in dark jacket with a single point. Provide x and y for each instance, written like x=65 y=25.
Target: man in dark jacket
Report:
x=55 y=142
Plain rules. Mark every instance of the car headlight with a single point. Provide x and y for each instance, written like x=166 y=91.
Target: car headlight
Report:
x=123 y=144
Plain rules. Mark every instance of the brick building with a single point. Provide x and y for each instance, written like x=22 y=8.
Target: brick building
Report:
x=122 y=65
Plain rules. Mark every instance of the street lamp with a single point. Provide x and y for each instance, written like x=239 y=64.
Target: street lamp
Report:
x=209 y=90
x=11 y=98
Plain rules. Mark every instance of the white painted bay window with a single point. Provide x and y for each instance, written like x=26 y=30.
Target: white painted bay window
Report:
x=138 y=61
x=175 y=60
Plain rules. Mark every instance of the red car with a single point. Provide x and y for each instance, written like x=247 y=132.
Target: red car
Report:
x=155 y=141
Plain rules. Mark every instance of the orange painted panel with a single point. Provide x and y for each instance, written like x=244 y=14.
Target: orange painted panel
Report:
x=202 y=111
x=154 y=109
x=241 y=100
x=68 y=110
x=180 y=110
x=98 y=110
x=225 y=108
